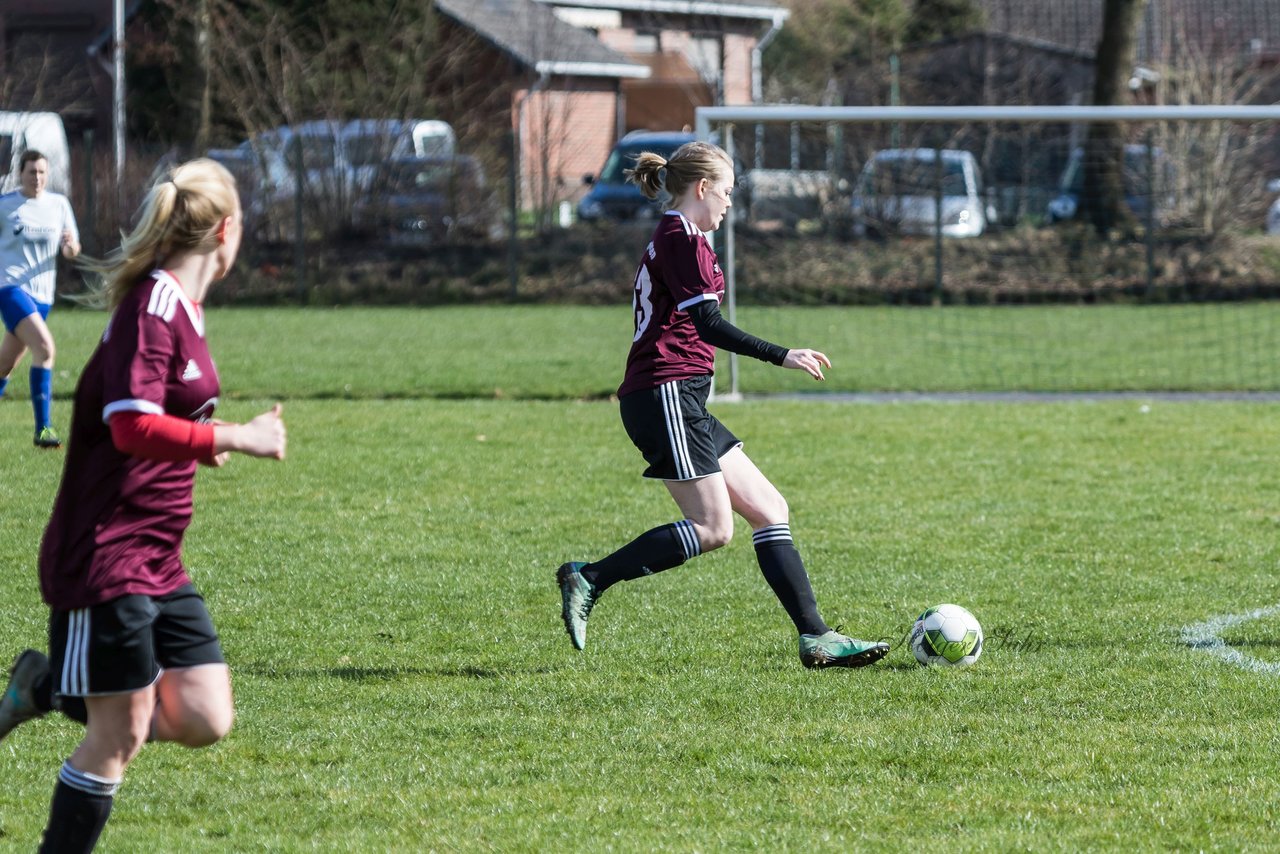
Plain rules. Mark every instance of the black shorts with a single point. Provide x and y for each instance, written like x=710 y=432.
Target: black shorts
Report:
x=670 y=425
x=122 y=645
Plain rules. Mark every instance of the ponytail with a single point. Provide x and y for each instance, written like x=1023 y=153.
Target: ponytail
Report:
x=181 y=212
x=688 y=165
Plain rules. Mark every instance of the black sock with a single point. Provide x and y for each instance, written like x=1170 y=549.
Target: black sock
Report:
x=653 y=551
x=784 y=570
x=81 y=805
x=42 y=693
x=73 y=707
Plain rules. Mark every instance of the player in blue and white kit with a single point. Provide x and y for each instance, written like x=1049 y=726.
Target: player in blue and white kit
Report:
x=35 y=225
x=678 y=326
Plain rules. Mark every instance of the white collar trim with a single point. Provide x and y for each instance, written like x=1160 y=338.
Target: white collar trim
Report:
x=197 y=319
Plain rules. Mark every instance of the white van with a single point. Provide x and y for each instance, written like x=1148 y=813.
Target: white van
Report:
x=339 y=163
x=898 y=191
x=44 y=133
x=367 y=139
x=339 y=158
x=367 y=144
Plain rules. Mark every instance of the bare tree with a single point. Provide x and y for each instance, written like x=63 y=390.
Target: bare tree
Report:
x=36 y=73
x=192 y=88
x=269 y=68
x=1216 y=164
x=260 y=66
x=1103 y=199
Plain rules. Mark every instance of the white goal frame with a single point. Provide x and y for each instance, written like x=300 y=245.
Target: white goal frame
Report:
x=727 y=117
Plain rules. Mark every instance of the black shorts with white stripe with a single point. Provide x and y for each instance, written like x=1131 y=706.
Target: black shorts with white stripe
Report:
x=670 y=425
x=122 y=645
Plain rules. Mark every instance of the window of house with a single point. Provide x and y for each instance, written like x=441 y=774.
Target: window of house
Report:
x=704 y=55
x=646 y=43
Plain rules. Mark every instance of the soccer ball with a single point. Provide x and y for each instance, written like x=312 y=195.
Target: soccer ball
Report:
x=947 y=635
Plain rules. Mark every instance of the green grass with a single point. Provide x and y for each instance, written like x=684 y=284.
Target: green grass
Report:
x=386 y=601
x=557 y=352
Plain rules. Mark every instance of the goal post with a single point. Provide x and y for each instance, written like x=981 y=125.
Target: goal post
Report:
x=738 y=129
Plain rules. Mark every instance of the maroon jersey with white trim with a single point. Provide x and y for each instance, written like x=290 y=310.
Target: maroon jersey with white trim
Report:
x=678 y=269
x=118 y=520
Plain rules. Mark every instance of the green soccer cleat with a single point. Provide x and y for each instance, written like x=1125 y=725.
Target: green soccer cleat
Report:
x=577 y=597
x=18 y=703
x=46 y=438
x=833 y=649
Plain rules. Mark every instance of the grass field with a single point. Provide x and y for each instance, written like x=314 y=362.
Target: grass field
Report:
x=386 y=600
x=563 y=352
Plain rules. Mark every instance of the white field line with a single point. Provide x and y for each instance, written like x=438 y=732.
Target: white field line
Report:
x=1207 y=637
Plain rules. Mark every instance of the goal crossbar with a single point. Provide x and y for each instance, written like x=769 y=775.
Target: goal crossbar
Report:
x=707 y=116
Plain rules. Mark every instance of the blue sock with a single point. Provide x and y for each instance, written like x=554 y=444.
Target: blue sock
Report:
x=4 y=383
x=41 y=392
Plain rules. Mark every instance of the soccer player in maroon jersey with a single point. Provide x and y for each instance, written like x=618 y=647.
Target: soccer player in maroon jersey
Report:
x=678 y=326
x=133 y=652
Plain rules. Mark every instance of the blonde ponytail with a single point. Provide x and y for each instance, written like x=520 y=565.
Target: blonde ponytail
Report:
x=182 y=212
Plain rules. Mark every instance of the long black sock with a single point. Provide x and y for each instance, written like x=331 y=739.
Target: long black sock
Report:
x=72 y=707
x=81 y=806
x=784 y=570
x=653 y=551
x=42 y=693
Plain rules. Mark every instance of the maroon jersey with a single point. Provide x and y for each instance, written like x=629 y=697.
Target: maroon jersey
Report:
x=678 y=269
x=118 y=520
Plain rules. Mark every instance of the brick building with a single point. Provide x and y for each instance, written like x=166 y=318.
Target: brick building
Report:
x=575 y=75
x=569 y=77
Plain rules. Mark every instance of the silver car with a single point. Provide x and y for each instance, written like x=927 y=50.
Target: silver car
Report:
x=898 y=191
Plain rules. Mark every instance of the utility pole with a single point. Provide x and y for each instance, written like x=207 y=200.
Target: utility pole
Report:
x=117 y=123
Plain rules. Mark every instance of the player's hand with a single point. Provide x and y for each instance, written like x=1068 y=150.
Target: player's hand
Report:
x=216 y=461
x=809 y=361
x=264 y=436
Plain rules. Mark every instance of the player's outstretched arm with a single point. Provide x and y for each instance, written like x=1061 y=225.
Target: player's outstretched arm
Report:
x=264 y=436
x=809 y=361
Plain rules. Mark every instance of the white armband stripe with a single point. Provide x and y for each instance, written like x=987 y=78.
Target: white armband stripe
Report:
x=695 y=300
x=144 y=406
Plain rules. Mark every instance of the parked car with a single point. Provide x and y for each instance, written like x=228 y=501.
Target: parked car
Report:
x=898 y=192
x=367 y=143
x=611 y=196
x=1273 y=212
x=1136 y=174
x=423 y=201
x=338 y=162
x=787 y=196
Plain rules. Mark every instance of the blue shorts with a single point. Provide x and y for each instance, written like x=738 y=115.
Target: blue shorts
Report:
x=16 y=305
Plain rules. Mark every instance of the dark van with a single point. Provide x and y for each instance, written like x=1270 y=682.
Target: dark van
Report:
x=611 y=196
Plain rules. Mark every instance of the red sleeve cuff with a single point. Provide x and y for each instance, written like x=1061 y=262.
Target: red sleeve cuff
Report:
x=160 y=437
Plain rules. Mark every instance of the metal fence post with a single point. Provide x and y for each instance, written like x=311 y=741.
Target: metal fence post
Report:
x=1152 y=194
x=513 y=209
x=90 y=230
x=939 y=175
x=299 y=245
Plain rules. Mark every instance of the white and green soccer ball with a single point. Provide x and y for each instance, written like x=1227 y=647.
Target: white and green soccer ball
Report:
x=946 y=635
